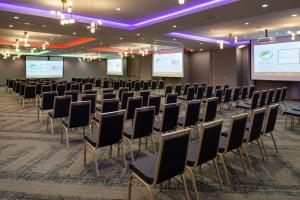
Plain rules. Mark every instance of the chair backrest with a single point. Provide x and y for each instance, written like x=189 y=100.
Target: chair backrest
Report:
x=277 y=95
x=244 y=93
x=98 y=83
x=171 y=160
x=251 y=91
x=61 y=106
x=124 y=99
x=255 y=98
x=200 y=92
x=78 y=79
x=110 y=95
x=155 y=101
x=116 y=85
x=283 y=94
x=270 y=97
x=170 y=117
x=219 y=95
x=192 y=113
x=111 y=126
x=18 y=86
x=168 y=90
x=75 y=86
x=263 y=97
x=178 y=89
x=48 y=100
x=186 y=87
x=224 y=88
x=145 y=86
x=88 y=86
x=22 y=89
x=190 y=93
x=271 y=116
x=145 y=95
x=153 y=85
x=73 y=93
x=38 y=88
x=171 y=98
x=209 y=90
x=137 y=86
x=92 y=80
x=105 y=84
x=236 y=94
x=227 y=95
x=143 y=122
x=161 y=84
x=46 y=88
x=132 y=104
x=208 y=142
x=54 y=86
x=30 y=91
x=79 y=115
x=256 y=127
x=107 y=90
x=128 y=85
x=61 y=88
x=236 y=132
x=110 y=105
x=210 y=109
x=196 y=85
x=92 y=98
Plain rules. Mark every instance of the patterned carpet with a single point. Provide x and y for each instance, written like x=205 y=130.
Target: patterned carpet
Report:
x=35 y=165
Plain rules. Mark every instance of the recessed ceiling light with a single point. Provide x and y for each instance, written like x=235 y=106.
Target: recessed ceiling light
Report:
x=27 y=23
x=174 y=26
x=201 y=49
x=181 y=1
x=264 y=5
x=294 y=15
x=118 y=9
x=44 y=25
x=74 y=33
x=58 y=35
x=247 y=23
x=121 y=38
x=138 y=34
x=101 y=43
x=174 y=39
x=11 y=26
x=16 y=17
x=201 y=43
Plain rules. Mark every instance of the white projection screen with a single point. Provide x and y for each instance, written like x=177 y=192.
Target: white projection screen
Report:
x=44 y=67
x=115 y=66
x=168 y=63
x=278 y=60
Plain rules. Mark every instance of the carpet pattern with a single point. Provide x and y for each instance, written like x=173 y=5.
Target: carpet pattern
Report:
x=35 y=164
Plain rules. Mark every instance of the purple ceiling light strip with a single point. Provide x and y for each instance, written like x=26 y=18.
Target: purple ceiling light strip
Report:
x=172 y=14
x=206 y=39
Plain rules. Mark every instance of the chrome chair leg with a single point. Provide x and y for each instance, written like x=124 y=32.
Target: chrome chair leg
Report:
x=242 y=160
x=273 y=138
x=247 y=156
x=185 y=187
x=218 y=173
x=192 y=177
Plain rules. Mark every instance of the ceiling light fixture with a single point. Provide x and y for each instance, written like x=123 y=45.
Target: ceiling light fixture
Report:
x=221 y=44
x=74 y=33
x=181 y=2
x=264 y=5
x=235 y=39
x=16 y=17
x=174 y=26
x=94 y=26
x=118 y=9
x=65 y=17
x=138 y=34
x=10 y=26
x=247 y=23
x=294 y=15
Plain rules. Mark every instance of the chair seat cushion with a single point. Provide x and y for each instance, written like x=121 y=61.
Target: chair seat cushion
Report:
x=294 y=113
x=157 y=125
x=128 y=132
x=144 y=168
x=243 y=106
x=92 y=139
x=181 y=121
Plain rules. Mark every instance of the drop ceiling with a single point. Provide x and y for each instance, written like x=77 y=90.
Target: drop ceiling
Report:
x=216 y=23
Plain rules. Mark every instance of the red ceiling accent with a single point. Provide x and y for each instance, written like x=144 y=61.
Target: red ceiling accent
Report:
x=54 y=46
x=116 y=50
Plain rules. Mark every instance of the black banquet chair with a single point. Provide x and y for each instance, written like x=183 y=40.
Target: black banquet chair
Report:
x=169 y=162
x=60 y=109
x=142 y=127
x=110 y=132
x=30 y=94
x=47 y=102
x=79 y=116
x=74 y=94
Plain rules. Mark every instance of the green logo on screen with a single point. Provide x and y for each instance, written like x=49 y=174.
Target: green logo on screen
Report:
x=33 y=66
x=266 y=55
